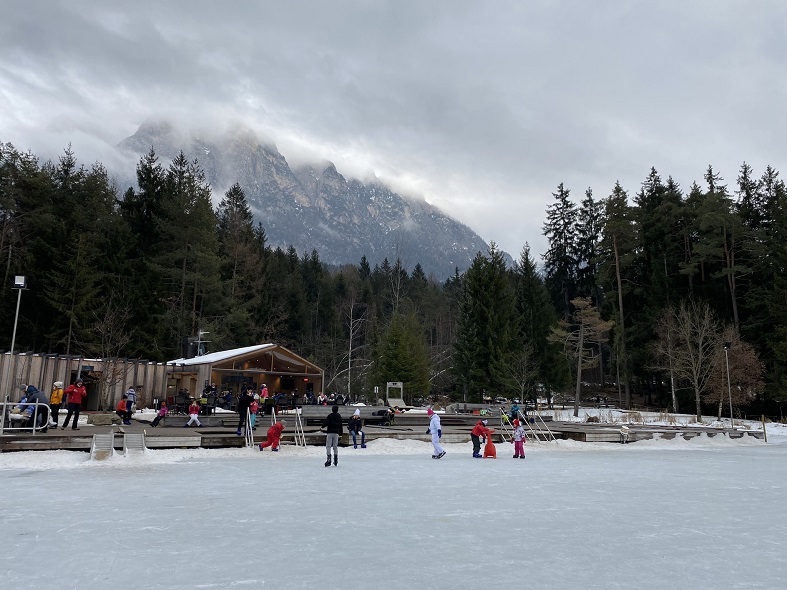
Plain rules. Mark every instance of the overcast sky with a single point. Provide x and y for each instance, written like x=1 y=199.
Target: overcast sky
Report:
x=480 y=107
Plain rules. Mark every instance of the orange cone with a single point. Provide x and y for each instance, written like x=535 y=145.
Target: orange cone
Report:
x=489 y=448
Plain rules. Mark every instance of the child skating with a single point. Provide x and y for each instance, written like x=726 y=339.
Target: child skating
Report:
x=519 y=440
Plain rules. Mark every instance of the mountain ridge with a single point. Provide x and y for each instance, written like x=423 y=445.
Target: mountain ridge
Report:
x=314 y=207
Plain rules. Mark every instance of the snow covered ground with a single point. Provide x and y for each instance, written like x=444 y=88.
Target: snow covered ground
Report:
x=702 y=513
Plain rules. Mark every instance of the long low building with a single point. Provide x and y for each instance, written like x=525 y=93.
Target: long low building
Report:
x=280 y=369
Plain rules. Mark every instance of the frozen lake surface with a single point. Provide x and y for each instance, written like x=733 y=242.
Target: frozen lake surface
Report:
x=704 y=513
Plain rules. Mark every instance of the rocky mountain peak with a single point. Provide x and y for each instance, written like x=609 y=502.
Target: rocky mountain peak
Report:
x=315 y=207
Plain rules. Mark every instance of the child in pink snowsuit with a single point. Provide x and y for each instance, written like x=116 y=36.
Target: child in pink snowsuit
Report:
x=519 y=440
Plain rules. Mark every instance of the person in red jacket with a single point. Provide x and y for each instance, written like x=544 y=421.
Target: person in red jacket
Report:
x=76 y=392
x=479 y=430
x=274 y=434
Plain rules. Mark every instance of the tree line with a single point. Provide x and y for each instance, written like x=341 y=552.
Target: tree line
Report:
x=133 y=273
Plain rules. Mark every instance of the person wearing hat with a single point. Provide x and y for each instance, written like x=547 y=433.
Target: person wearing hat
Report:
x=437 y=432
x=273 y=436
x=131 y=399
x=518 y=439
x=254 y=407
x=354 y=426
x=479 y=431
x=333 y=426
x=39 y=403
x=75 y=393
x=55 y=400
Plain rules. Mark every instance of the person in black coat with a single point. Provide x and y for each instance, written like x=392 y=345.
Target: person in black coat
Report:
x=333 y=426
x=244 y=401
x=34 y=395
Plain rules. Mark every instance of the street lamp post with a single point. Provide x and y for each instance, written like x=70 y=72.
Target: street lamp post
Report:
x=20 y=284
x=727 y=346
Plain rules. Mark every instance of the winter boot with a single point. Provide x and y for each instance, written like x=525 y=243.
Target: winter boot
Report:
x=336 y=460
x=363 y=440
x=238 y=432
x=328 y=462
x=477 y=456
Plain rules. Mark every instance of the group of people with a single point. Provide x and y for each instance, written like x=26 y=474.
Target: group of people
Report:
x=126 y=406
x=481 y=432
x=34 y=407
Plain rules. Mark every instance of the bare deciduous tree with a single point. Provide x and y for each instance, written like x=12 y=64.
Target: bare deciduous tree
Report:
x=581 y=338
x=698 y=338
x=745 y=372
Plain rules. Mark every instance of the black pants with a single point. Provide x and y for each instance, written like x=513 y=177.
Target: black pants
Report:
x=476 y=444
x=55 y=409
x=156 y=420
x=72 y=409
x=242 y=417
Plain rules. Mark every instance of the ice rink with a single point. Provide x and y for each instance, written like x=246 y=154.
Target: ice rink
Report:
x=704 y=513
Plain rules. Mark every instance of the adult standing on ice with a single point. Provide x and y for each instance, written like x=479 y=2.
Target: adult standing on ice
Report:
x=333 y=426
x=436 y=431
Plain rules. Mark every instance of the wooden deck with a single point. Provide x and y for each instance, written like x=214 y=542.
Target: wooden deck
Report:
x=219 y=432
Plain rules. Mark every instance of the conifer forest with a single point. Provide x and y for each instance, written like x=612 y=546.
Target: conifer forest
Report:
x=669 y=296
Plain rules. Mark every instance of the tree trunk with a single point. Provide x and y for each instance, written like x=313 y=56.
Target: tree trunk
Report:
x=622 y=355
x=580 y=345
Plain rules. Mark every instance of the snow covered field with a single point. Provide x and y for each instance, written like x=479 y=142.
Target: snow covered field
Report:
x=703 y=513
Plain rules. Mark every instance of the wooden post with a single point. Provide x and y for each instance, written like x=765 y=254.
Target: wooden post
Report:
x=764 y=432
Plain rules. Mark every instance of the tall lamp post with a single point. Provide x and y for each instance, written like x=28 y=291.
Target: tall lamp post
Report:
x=20 y=284
x=727 y=346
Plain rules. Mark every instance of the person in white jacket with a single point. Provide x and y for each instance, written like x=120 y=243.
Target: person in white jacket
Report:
x=436 y=431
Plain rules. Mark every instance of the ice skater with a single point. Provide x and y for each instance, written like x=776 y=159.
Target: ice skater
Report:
x=274 y=435
x=354 y=428
x=519 y=440
x=333 y=426
x=479 y=431
x=436 y=431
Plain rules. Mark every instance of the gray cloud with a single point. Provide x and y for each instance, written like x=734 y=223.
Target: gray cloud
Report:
x=482 y=108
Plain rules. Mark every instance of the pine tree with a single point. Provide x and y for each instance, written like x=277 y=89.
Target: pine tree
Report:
x=487 y=328
x=536 y=317
x=620 y=244
x=560 y=260
x=187 y=257
x=403 y=357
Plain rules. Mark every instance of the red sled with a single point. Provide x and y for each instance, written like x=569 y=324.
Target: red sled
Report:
x=490 y=452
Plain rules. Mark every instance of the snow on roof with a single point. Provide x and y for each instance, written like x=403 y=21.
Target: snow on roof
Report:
x=223 y=355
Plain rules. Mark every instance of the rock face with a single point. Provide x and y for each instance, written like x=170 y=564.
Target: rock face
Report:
x=316 y=208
